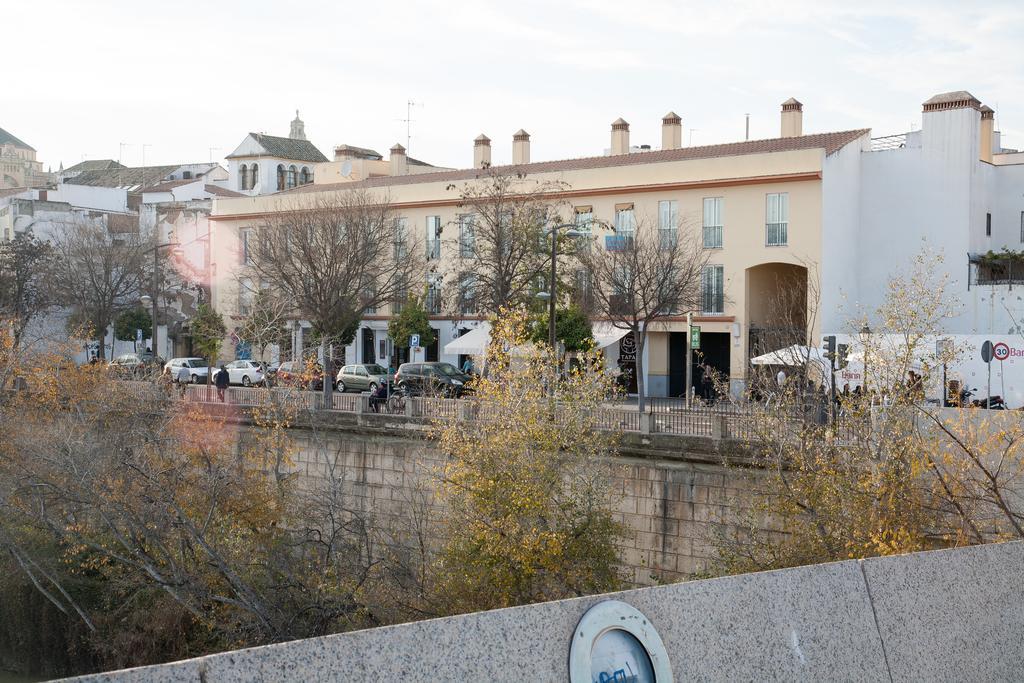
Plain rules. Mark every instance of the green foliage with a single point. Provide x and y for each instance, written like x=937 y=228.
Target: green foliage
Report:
x=208 y=332
x=131 y=320
x=530 y=503
x=412 y=319
x=572 y=328
x=25 y=264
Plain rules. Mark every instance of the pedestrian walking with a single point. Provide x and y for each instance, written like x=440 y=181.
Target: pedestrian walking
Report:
x=221 y=379
x=182 y=379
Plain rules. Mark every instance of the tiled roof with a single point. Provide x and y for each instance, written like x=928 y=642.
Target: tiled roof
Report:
x=288 y=148
x=94 y=165
x=123 y=177
x=6 y=137
x=222 y=191
x=170 y=185
x=358 y=152
x=830 y=142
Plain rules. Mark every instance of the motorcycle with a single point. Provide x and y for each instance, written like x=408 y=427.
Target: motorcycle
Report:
x=994 y=402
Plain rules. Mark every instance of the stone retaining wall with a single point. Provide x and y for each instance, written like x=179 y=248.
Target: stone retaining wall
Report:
x=669 y=491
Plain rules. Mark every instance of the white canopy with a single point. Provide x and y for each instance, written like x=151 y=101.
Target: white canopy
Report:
x=792 y=356
x=606 y=334
x=473 y=343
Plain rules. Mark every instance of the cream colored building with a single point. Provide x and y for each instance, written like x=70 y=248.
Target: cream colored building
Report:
x=759 y=207
x=18 y=165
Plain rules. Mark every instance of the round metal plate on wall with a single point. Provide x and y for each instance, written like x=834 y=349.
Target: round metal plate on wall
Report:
x=615 y=642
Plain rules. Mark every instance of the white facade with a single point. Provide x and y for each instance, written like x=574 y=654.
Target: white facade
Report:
x=274 y=171
x=882 y=206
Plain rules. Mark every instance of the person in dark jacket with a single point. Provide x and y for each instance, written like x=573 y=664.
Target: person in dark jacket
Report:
x=379 y=398
x=221 y=379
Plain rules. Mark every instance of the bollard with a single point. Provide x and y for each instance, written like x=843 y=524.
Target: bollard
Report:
x=718 y=429
x=646 y=423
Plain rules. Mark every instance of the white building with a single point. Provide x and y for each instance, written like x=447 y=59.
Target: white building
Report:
x=264 y=164
x=949 y=186
x=172 y=203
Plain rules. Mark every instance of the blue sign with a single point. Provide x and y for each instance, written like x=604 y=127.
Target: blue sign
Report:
x=414 y=340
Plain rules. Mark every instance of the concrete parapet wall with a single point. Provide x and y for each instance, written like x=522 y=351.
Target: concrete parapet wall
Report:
x=944 y=615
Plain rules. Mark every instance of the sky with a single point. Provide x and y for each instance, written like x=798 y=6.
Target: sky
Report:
x=184 y=81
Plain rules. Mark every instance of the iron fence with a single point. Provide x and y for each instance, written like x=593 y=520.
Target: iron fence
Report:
x=664 y=416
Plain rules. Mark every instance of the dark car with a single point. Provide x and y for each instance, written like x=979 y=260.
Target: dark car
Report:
x=297 y=373
x=432 y=379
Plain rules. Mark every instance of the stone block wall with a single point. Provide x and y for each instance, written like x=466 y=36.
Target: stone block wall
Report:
x=668 y=503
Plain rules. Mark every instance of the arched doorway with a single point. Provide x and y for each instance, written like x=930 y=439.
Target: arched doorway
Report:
x=776 y=310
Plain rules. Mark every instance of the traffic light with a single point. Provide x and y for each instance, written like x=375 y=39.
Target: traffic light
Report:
x=829 y=342
x=843 y=352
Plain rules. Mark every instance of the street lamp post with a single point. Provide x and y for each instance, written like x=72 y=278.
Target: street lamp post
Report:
x=864 y=335
x=145 y=299
x=551 y=295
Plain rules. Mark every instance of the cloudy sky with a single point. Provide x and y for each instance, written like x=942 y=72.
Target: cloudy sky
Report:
x=188 y=79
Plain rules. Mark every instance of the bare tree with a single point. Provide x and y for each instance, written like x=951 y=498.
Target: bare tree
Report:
x=266 y=322
x=97 y=273
x=501 y=243
x=644 y=277
x=334 y=261
x=25 y=263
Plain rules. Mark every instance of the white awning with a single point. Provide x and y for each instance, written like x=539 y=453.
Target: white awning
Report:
x=473 y=343
x=606 y=334
x=795 y=356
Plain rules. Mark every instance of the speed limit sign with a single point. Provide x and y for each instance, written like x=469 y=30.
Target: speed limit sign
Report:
x=1000 y=351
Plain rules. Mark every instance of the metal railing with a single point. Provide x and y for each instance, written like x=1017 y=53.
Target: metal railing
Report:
x=664 y=415
x=889 y=142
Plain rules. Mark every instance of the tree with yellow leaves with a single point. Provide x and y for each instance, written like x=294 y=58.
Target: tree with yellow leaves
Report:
x=893 y=474
x=529 y=507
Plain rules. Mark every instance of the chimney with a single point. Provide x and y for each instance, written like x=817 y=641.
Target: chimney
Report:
x=792 y=118
x=399 y=162
x=671 y=131
x=482 y=151
x=988 y=119
x=521 y=147
x=620 y=137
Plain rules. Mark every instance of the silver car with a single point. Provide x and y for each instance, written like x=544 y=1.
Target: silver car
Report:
x=362 y=377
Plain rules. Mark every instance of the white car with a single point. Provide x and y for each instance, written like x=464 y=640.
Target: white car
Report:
x=198 y=370
x=245 y=372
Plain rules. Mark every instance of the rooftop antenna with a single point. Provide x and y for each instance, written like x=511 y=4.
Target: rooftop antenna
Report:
x=212 y=150
x=120 y=155
x=692 y=130
x=409 y=104
x=143 y=185
x=747 y=136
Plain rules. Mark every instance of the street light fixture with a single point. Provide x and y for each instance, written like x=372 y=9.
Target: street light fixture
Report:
x=552 y=295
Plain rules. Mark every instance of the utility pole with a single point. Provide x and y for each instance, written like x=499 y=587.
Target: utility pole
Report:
x=689 y=356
